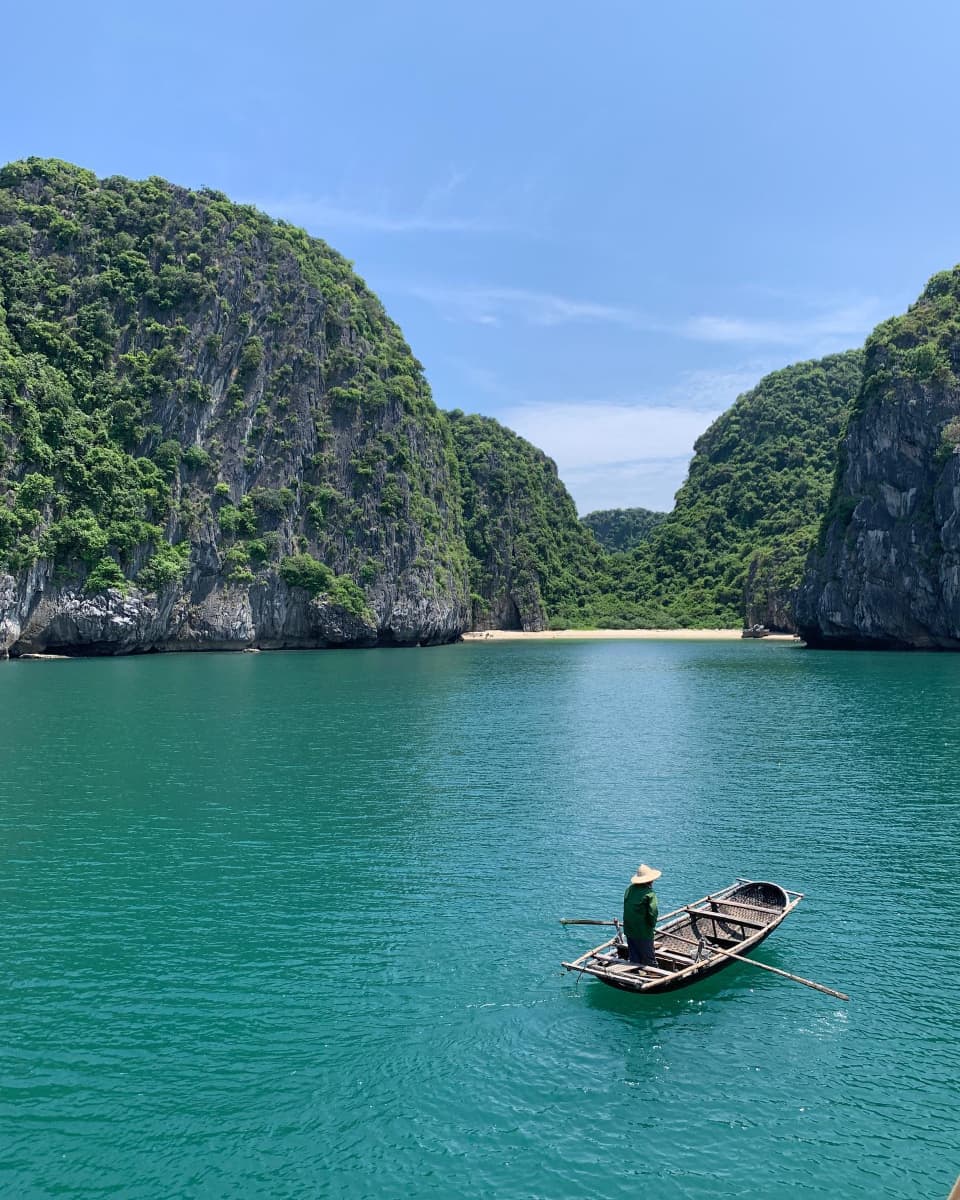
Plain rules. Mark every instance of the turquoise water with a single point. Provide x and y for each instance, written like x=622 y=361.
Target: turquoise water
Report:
x=286 y=925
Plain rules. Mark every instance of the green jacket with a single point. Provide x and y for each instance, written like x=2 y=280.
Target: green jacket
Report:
x=639 y=911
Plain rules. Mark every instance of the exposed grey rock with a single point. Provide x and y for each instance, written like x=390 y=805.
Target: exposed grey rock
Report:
x=886 y=573
x=213 y=615
x=268 y=615
x=766 y=601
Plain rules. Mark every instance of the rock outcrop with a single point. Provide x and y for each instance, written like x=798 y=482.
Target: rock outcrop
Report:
x=886 y=570
x=532 y=563
x=211 y=434
x=769 y=591
x=266 y=615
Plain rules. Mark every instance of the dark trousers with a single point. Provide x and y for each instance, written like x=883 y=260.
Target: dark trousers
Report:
x=641 y=951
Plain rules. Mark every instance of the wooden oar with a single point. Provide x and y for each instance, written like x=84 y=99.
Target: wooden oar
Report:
x=677 y=937
x=786 y=974
x=585 y=921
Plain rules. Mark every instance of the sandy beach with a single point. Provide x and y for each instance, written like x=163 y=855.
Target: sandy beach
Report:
x=686 y=635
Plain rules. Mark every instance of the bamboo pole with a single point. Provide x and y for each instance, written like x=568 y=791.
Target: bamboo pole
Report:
x=590 y=954
x=764 y=967
x=786 y=975
x=678 y=911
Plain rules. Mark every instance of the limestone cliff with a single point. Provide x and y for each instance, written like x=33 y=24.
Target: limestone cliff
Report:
x=532 y=563
x=211 y=434
x=886 y=570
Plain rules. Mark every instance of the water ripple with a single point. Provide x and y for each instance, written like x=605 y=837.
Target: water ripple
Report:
x=286 y=925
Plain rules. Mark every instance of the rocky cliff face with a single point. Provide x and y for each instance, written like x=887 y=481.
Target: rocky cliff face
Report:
x=886 y=571
x=532 y=563
x=769 y=591
x=211 y=435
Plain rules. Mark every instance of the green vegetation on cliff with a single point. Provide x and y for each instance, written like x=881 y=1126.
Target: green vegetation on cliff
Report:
x=532 y=563
x=186 y=383
x=921 y=345
x=197 y=401
x=304 y=571
x=733 y=547
x=622 y=528
x=749 y=510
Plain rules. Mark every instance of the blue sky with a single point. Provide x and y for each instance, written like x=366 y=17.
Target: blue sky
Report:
x=597 y=223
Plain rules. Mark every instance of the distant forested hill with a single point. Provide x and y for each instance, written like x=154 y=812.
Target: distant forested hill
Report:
x=734 y=546
x=732 y=549
x=622 y=528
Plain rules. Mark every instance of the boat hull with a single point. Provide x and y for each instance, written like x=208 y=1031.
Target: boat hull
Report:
x=689 y=943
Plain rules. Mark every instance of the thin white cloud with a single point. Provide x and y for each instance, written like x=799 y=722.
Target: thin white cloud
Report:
x=844 y=324
x=614 y=455
x=320 y=215
x=641 y=484
x=481 y=378
x=495 y=305
x=442 y=192
x=588 y=434
x=849 y=322
x=631 y=451
x=431 y=215
x=717 y=388
x=621 y=451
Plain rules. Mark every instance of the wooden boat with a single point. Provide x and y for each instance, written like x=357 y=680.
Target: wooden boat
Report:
x=690 y=942
x=755 y=631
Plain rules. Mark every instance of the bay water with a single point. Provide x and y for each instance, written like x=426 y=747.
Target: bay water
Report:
x=286 y=925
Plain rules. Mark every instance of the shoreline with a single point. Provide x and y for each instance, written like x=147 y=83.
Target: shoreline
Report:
x=548 y=635
x=487 y=635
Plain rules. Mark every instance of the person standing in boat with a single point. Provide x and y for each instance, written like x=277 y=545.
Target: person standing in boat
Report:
x=640 y=912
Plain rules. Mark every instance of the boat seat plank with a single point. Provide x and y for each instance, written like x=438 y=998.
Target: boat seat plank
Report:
x=626 y=968
x=728 y=917
x=675 y=956
x=760 y=908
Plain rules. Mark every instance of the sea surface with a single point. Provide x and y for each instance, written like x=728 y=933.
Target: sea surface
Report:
x=286 y=925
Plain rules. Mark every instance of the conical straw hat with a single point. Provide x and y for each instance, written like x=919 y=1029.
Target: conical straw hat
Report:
x=646 y=874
